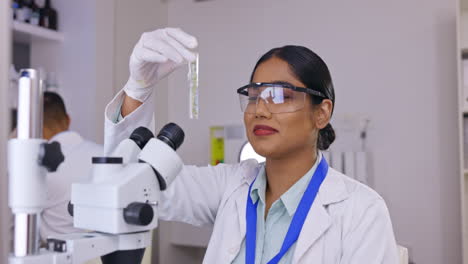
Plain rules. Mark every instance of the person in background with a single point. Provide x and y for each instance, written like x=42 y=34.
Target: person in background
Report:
x=78 y=152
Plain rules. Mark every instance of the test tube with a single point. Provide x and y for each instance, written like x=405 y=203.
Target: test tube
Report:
x=193 y=88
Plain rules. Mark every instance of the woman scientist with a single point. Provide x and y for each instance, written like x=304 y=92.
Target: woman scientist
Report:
x=293 y=208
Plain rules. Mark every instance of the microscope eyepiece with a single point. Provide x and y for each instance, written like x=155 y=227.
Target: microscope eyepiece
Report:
x=141 y=136
x=172 y=135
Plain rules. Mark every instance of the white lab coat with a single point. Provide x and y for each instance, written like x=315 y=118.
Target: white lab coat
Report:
x=348 y=223
x=78 y=152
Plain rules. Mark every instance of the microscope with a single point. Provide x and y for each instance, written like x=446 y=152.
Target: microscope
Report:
x=119 y=205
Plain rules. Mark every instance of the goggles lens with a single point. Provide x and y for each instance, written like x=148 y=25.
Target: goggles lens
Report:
x=276 y=98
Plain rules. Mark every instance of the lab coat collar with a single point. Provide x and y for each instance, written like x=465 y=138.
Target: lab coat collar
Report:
x=332 y=190
x=67 y=139
x=258 y=189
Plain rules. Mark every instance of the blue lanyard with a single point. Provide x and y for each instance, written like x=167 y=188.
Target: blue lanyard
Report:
x=296 y=223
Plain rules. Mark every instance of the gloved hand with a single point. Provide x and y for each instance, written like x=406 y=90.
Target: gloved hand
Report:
x=157 y=54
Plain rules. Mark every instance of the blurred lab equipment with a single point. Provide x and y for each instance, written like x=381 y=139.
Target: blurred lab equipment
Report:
x=119 y=203
x=228 y=143
x=28 y=11
x=48 y=16
x=217 y=145
x=29 y=148
x=350 y=154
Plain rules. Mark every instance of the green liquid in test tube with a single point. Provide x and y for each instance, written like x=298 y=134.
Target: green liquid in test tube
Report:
x=193 y=89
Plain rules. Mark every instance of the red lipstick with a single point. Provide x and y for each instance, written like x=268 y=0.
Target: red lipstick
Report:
x=262 y=130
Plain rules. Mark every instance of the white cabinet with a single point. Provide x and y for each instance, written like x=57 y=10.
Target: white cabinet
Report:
x=462 y=56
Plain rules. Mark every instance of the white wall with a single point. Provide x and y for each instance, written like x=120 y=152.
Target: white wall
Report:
x=73 y=61
x=104 y=57
x=131 y=20
x=392 y=60
x=83 y=62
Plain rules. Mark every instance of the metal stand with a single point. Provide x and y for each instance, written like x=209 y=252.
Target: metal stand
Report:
x=26 y=239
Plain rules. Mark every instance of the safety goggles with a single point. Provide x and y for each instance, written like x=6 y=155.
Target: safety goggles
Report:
x=277 y=97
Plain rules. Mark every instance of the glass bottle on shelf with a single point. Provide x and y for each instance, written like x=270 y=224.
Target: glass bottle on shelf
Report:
x=24 y=12
x=28 y=11
x=14 y=6
x=35 y=14
x=48 y=16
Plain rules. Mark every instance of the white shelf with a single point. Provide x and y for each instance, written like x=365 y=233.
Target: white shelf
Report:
x=26 y=33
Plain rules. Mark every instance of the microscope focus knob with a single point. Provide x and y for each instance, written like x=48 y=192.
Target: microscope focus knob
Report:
x=51 y=156
x=138 y=214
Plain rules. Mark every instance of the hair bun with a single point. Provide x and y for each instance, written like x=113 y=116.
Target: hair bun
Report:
x=326 y=137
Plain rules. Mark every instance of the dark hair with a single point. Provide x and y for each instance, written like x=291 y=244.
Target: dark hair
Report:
x=54 y=109
x=311 y=70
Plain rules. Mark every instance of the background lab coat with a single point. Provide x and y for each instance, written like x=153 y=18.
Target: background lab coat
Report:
x=348 y=223
x=76 y=167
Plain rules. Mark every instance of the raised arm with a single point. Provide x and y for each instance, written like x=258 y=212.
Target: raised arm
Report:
x=156 y=55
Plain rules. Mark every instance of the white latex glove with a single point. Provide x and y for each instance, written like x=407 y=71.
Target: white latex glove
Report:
x=157 y=54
